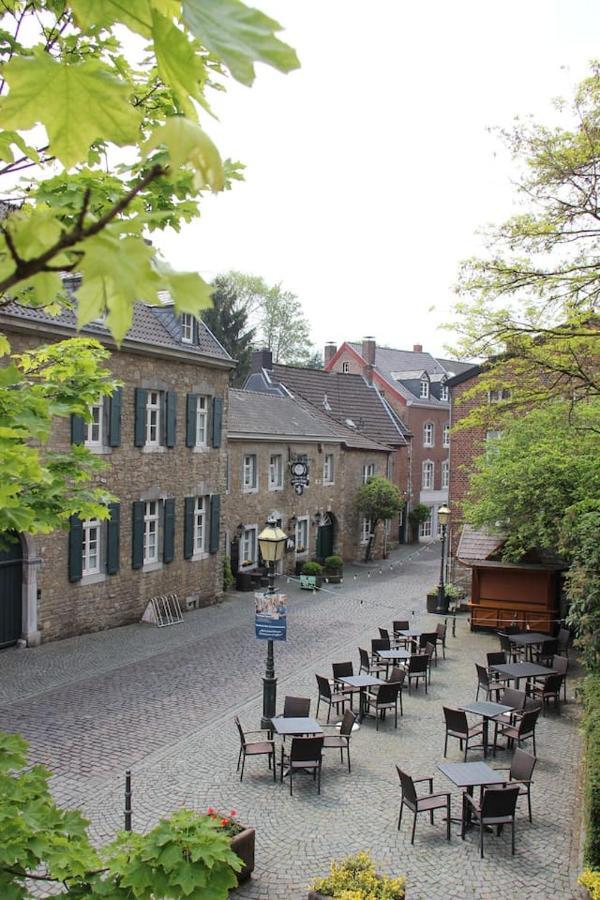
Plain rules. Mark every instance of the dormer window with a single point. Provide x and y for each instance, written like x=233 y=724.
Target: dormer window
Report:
x=345 y=367
x=424 y=390
x=187 y=328
x=444 y=395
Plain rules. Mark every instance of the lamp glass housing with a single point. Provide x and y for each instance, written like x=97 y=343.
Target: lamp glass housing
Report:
x=443 y=515
x=271 y=541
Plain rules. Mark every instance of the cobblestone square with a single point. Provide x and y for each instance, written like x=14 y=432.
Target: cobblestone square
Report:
x=162 y=701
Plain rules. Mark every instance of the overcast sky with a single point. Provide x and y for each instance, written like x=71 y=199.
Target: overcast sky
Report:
x=370 y=169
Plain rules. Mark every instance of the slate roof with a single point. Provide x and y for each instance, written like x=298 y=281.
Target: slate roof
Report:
x=152 y=326
x=402 y=369
x=454 y=366
x=253 y=412
x=346 y=399
x=474 y=544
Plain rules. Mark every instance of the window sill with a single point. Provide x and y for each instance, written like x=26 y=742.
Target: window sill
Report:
x=198 y=556
x=98 y=449
x=253 y=490
x=97 y=578
x=151 y=448
x=328 y=483
x=276 y=487
x=201 y=448
x=152 y=567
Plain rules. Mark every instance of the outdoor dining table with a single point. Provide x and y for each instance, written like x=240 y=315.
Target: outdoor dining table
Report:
x=413 y=633
x=529 y=640
x=517 y=671
x=362 y=682
x=487 y=710
x=296 y=726
x=470 y=775
x=393 y=654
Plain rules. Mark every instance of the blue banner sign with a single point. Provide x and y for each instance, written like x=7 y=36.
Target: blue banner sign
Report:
x=271 y=616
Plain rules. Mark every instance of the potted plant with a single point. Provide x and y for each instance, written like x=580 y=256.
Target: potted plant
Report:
x=355 y=877
x=311 y=576
x=334 y=569
x=452 y=592
x=242 y=839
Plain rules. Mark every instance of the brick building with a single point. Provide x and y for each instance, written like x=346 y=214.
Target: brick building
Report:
x=414 y=384
x=267 y=435
x=348 y=402
x=161 y=437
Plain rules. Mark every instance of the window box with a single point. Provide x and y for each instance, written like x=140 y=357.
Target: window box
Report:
x=243 y=844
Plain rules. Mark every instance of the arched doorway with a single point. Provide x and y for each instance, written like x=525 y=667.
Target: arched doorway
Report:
x=11 y=591
x=325 y=536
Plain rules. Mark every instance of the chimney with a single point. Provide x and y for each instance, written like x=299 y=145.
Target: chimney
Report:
x=330 y=351
x=261 y=359
x=368 y=350
x=417 y=348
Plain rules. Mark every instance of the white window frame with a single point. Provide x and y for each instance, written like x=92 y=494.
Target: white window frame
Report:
x=493 y=435
x=426 y=527
x=202 y=406
x=153 y=423
x=496 y=396
x=368 y=472
x=97 y=422
x=345 y=368
x=427 y=470
x=424 y=389
x=446 y=435
x=444 y=392
x=329 y=469
x=249 y=545
x=91 y=547
x=250 y=469
x=187 y=328
x=200 y=525
x=152 y=510
x=445 y=474
x=302 y=536
x=365 y=530
x=428 y=434
x=276 y=472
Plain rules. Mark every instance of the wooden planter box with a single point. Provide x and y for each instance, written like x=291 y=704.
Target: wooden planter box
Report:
x=243 y=844
x=334 y=576
x=243 y=581
x=432 y=600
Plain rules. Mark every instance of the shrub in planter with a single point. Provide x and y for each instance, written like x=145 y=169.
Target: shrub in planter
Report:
x=242 y=839
x=311 y=576
x=355 y=878
x=591 y=781
x=591 y=881
x=334 y=568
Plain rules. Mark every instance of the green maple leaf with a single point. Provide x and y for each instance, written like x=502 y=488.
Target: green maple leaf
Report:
x=189 y=145
x=239 y=35
x=77 y=104
x=178 y=64
x=135 y=14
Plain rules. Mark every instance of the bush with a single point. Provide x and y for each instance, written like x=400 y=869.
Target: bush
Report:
x=591 y=881
x=228 y=579
x=419 y=514
x=312 y=568
x=355 y=878
x=591 y=788
x=334 y=562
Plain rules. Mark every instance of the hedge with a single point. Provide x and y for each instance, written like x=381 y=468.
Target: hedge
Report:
x=591 y=726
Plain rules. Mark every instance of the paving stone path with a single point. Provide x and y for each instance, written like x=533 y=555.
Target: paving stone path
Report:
x=161 y=702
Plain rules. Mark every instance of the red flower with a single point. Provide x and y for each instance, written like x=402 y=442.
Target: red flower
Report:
x=233 y=812
x=224 y=821
x=210 y=810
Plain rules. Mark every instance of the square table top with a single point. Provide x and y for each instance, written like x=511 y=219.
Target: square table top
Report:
x=486 y=708
x=411 y=632
x=291 y=725
x=522 y=670
x=529 y=637
x=361 y=680
x=471 y=774
x=394 y=654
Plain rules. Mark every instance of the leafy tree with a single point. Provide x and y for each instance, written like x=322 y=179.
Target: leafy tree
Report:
x=82 y=204
x=530 y=306
x=377 y=500
x=315 y=361
x=41 y=488
x=580 y=534
x=185 y=856
x=227 y=318
x=418 y=514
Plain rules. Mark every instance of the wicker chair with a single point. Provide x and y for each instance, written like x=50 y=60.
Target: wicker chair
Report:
x=330 y=697
x=296 y=707
x=306 y=754
x=341 y=741
x=386 y=699
x=520 y=772
x=457 y=725
x=498 y=807
x=344 y=670
x=427 y=803
x=548 y=689
x=254 y=748
x=522 y=729
x=416 y=669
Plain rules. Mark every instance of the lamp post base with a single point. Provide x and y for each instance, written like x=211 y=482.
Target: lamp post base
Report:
x=269 y=700
x=442 y=602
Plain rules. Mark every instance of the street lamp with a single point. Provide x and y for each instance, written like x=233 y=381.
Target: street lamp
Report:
x=443 y=519
x=271 y=541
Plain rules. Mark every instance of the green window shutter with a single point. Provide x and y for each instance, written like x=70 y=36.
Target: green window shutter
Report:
x=215 y=521
x=112 y=538
x=77 y=429
x=171 y=413
x=137 y=534
x=114 y=418
x=75 y=548
x=191 y=408
x=217 y=419
x=188 y=527
x=140 y=417
x=169 y=531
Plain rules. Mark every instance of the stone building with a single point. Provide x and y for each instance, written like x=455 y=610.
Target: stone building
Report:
x=414 y=384
x=347 y=402
x=162 y=438
x=268 y=435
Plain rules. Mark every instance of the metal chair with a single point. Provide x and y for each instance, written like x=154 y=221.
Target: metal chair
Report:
x=429 y=652
x=547 y=650
x=342 y=740
x=498 y=807
x=548 y=689
x=429 y=637
x=399 y=625
x=520 y=772
x=426 y=803
x=457 y=725
x=564 y=639
x=417 y=668
x=485 y=684
x=254 y=748
x=441 y=630
x=384 y=634
x=330 y=697
x=367 y=666
x=306 y=753
x=560 y=664
x=344 y=670
x=296 y=707
x=522 y=729
x=513 y=653
x=385 y=699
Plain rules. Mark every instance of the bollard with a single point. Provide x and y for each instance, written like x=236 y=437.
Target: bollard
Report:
x=128 y=800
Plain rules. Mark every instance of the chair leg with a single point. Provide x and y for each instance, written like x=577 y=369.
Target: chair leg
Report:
x=462 y=820
x=348 y=754
x=513 y=835
x=448 y=823
x=400 y=814
x=318 y=705
x=412 y=840
x=529 y=801
x=291 y=776
x=319 y=779
x=329 y=712
x=446 y=745
x=243 y=764
x=480 y=837
x=396 y=714
x=272 y=754
x=239 y=760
